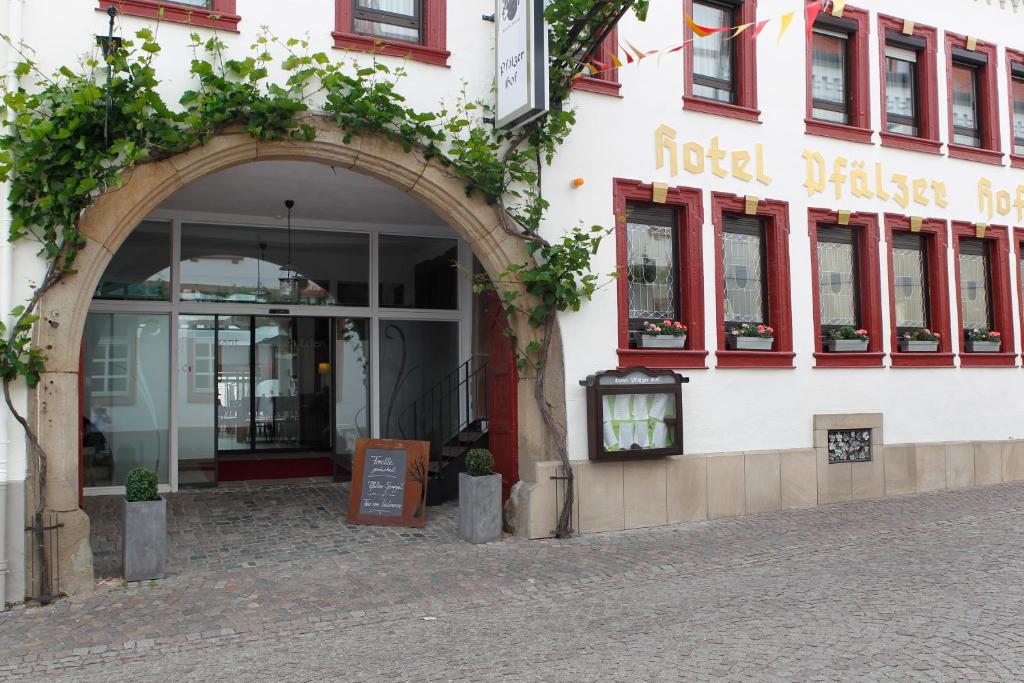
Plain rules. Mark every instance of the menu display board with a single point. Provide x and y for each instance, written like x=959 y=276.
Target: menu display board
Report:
x=634 y=413
x=389 y=483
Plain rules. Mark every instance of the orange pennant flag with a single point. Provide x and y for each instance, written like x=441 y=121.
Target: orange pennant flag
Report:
x=639 y=54
x=616 y=62
x=813 y=8
x=703 y=31
x=787 y=19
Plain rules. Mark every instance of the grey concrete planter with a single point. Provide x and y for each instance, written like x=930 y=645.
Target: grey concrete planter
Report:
x=846 y=345
x=983 y=346
x=662 y=341
x=749 y=343
x=911 y=346
x=479 y=508
x=144 y=540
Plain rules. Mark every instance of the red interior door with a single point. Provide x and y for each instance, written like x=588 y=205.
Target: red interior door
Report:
x=502 y=397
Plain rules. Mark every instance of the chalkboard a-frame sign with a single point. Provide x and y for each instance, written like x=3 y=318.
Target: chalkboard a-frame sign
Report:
x=389 y=483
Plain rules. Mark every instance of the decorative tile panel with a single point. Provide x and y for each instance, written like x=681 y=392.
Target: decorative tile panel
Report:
x=849 y=445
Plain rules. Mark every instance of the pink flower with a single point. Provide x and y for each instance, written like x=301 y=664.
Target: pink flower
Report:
x=861 y=332
x=679 y=326
x=769 y=330
x=761 y=329
x=667 y=323
x=994 y=334
x=937 y=335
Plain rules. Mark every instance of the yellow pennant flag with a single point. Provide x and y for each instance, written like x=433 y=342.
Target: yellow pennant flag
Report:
x=740 y=29
x=615 y=60
x=787 y=19
x=837 y=7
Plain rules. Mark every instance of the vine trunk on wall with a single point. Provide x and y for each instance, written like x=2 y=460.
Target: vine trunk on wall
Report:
x=75 y=133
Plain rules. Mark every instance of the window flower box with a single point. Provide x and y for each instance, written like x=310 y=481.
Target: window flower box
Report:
x=846 y=340
x=914 y=346
x=751 y=337
x=737 y=343
x=980 y=340
x=920 y=341
x=669 y=334
x=846 y=345
x=983 y=346
x=662 y=341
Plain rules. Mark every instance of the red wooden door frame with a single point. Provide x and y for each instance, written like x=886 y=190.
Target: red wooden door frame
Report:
x=502 y=396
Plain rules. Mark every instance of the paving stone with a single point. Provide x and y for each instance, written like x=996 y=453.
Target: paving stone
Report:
x=920 y=587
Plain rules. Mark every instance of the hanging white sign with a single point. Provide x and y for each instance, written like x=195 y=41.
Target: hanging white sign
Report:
x=521 y=51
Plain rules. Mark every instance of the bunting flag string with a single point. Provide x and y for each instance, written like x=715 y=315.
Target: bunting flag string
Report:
x=610 y=60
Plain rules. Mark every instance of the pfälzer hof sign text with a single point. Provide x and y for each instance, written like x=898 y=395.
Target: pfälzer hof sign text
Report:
x=521 y=56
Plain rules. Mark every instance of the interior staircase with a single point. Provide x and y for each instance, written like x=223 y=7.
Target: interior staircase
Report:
x=452 y=416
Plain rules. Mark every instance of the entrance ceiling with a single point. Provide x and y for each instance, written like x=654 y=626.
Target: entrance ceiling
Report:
x=321 y=193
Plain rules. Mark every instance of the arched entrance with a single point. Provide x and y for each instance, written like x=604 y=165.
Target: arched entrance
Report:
x=109 y=222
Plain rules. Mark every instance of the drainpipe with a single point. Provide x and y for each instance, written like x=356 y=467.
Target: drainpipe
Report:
x=14 y=9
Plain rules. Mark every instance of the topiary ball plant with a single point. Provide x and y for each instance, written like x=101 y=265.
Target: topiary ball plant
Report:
x=141 y=486
x=479 y=462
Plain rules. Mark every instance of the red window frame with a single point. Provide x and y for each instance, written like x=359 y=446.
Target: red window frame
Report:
x=927 y=81
x=220 y=16
x=1013 y=57
x=869 y=294
x=1018 y=239
x=1002 y=313
x=606 y=82
x=689 y=204
x=745 y=107
x=780 y=306
x=990 y=151
x=934 y=230
x=432 y=51
x=859 y=128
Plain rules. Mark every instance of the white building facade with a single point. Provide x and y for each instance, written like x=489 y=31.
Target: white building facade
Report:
x=864 y=173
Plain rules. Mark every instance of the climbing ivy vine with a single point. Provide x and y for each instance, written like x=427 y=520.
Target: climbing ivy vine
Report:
x=72 y=135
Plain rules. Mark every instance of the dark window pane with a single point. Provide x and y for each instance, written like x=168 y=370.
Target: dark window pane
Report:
x=245 y=265
x=391 y=19
x=651 y=264
x=910 y=283
x=141 y=268
x=974 y=284
x=1018 y=116
x=966 y=125
x=418 y=272
x=901 y=90
x=828 y=77
x=837 y=277
x=743 y=265
x=712 y=55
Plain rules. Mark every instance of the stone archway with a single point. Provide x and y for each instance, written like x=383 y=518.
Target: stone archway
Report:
x=54 y=407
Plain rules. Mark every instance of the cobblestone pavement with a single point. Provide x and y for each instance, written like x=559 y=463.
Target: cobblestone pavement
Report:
x=255 y=526
x=916 y=588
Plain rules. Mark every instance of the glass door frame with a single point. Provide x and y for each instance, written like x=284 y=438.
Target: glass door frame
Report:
x=373 y=313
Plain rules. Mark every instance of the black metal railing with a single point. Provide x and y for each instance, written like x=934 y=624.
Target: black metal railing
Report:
x=454 y=404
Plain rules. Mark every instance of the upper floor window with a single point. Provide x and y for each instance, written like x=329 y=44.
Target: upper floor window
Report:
x=391 y=19
x=605 y=59
x=413 y=29
x=713 y=58
x=1017 y=102
x=218 y=14
x=721 y=71
x=901 y=91
x=966 y=122
x=909 y=85
x=829 y=83
x=973 y=122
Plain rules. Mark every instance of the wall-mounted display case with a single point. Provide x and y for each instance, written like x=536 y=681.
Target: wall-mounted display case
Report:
x=634 y=413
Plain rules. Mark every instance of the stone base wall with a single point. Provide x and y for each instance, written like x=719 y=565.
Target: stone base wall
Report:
x=612 y=496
